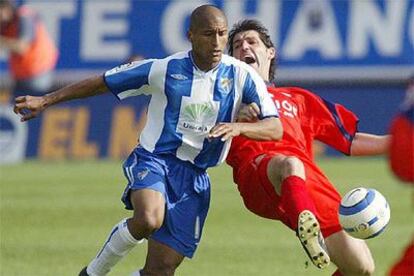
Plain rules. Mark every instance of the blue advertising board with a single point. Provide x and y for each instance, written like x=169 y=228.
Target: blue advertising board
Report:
x=315 y=40
x=103 y=127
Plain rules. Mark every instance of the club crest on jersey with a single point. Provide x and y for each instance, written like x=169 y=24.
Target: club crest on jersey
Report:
x=226 y=84
x=142 y=174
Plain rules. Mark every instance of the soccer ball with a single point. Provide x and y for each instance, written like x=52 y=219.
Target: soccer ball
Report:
x=364 y=213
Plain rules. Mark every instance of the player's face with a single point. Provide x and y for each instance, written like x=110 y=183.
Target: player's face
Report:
x=208 y=43
x=248 y=47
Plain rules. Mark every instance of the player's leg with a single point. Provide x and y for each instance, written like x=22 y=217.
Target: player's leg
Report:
x=287 y=175
x=148 y=217
x=161 y=259
x=187 y=204
x=351 y=256
x=149 y=208
x=145 y=195
x=281 y=167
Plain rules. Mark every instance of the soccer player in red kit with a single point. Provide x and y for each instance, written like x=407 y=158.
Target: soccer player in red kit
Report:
x=401 y=159
x=279 y=180
x=401 y=155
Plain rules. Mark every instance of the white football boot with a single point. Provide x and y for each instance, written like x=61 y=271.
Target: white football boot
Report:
x=310 y=236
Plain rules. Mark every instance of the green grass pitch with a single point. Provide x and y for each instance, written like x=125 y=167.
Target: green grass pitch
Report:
x=55 y=217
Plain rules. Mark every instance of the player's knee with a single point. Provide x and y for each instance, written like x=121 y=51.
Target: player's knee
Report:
x=363 y=271
x=150 y=222
x=367 y=268
x=146 y=223
x=292 y=165
x=364 y=268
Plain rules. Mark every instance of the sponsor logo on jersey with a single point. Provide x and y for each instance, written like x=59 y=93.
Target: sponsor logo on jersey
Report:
x=197 y=117
x=286 y=108
x=179 y=77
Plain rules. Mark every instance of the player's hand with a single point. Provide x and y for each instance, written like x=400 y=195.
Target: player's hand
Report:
x=225 y=131
x=249 y=113
x=28 y=107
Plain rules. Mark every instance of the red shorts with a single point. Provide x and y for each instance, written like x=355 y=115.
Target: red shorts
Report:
x=259 y=195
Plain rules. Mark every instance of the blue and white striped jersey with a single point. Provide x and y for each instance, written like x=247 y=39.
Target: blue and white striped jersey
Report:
x=187 y=102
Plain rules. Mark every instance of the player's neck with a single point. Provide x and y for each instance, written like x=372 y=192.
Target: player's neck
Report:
x=201 y=64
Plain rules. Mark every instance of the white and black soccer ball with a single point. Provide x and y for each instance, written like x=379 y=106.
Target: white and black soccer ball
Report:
x=364 y=213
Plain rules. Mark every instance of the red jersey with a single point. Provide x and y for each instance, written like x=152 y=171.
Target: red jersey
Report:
x=305 y=117
x=401 y=154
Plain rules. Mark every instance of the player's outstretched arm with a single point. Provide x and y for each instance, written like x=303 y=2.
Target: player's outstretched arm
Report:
x=266 y=129
x=369 y=144
x=29 y=106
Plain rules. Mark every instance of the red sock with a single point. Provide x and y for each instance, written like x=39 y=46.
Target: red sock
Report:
x=294 y=199
x=337 y=273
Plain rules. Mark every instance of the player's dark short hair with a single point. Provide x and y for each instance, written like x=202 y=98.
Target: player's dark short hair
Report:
x=253 y=25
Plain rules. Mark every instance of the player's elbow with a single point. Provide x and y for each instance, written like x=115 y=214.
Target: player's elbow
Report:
x=275 y=131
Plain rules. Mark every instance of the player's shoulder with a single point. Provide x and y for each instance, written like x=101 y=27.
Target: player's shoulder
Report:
x=293 y=90
x=184 y=56
x=178 y=55
x=240 y=65
x=180 y=59
x=131 y=66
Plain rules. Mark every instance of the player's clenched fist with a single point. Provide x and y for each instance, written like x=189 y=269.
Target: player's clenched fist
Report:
x=249 y=113
x=28 y=107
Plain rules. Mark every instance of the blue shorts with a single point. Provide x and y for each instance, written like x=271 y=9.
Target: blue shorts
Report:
x=186 y=190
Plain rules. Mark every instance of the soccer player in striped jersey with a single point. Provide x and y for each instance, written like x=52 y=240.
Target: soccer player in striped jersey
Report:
x=279 y=179
x=195 y=96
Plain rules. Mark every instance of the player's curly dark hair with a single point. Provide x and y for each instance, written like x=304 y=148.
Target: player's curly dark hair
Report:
x=253 y=25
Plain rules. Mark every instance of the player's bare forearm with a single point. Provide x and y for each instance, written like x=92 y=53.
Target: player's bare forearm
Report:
x=265 y=130
x=369 y=144
x=83 y=89
x=29 y=106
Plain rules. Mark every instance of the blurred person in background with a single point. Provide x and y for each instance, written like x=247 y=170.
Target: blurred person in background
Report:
x=279 y=179
x=401 y=155
x=190 y=122
x=32 y=53
x=401 y=161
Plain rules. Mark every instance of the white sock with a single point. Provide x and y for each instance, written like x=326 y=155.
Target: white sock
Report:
x=119 y=243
